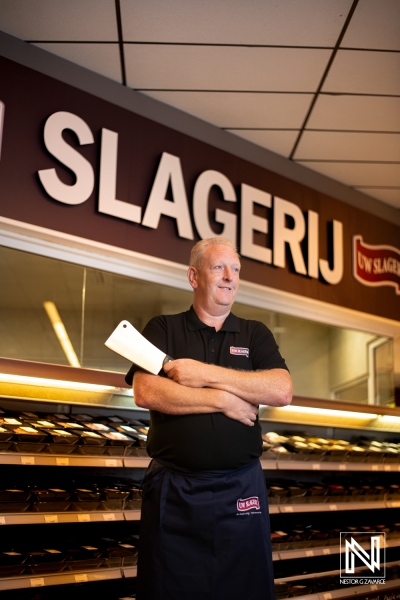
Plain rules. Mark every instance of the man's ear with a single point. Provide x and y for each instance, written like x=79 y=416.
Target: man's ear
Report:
x=192 y=276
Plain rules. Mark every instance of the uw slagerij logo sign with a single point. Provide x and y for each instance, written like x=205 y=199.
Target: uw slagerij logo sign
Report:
x=362 y=557
x=376 y=265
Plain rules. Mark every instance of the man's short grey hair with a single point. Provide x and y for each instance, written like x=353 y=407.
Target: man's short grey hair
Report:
x=197 y=253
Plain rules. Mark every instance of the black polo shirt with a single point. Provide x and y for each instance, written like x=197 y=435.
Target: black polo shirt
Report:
x=212 y=440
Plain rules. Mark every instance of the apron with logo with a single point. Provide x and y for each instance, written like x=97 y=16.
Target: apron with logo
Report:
x=204 y=535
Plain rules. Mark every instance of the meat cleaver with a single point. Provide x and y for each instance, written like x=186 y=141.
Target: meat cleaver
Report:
x=129 y=343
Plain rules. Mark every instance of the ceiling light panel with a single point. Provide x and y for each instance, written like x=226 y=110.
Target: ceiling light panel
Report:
x=362 y=72
x=100 y=58
x=287 y=22
x=375 y=24
x=251 y=69
x=88 y=20
x=348 y=146
x=234 y=109
x=358 y=174
x=364 y=113
x=280 y=142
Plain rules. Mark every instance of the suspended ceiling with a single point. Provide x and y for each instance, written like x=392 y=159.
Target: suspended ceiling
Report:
x=315 y=81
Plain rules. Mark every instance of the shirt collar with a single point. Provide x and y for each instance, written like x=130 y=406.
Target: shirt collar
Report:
x=231 y=323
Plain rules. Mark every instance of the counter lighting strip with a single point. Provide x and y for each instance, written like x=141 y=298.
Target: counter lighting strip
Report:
x=58 y=383
x=328 y=412
x=388 y=419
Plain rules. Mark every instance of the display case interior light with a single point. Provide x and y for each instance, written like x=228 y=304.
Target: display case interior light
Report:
x=61 y=333
x=328 y=412
x=57 y=383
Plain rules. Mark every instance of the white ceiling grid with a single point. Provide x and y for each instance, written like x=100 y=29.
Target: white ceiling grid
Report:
x=316 y=81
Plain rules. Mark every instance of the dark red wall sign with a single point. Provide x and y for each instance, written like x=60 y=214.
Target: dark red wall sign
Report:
x=376 y=265
x=77 y=164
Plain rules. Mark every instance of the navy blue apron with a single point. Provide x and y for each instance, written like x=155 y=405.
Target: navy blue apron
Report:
x=204 y=535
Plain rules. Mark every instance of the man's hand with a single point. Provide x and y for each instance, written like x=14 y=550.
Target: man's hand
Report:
x=186 y=371
x=167 y=396
x=240 y=410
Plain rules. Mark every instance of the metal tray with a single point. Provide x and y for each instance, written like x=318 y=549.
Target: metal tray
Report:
x=12 y=570
x=86 y=505
x=90 y=450
x=14 y=507
x=16 y=495
x=45 y=568
x=27 y=447
x=51 y=506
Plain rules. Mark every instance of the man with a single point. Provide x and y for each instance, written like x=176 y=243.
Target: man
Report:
x=205 y=527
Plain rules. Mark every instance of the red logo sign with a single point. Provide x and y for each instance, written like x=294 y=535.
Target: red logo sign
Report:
x=248 y=503
x=240 y=351
x=376 y=265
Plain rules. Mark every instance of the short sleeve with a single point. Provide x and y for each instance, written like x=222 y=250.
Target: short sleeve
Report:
x=264 y=349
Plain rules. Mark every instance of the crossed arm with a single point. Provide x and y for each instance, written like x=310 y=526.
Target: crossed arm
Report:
x=195 y=387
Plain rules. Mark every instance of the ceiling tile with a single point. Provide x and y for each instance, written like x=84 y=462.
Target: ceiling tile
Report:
x=375 y=24
x=348 y=146
x=391 y=197
x=234 y=109
x=92 y=20
x=280 y=142
x=224 y=68
x=367 y=113
x=358 y=174
x=287 y=22
x=363 y=72
x=101 y=58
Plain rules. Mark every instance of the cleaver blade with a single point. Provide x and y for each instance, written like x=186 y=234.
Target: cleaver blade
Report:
x=129 y=343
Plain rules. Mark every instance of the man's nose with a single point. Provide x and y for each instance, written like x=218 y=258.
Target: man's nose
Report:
x=228 y=273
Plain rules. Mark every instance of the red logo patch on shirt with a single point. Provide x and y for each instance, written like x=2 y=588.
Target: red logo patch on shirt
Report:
x=248 y=503
x=240 y=351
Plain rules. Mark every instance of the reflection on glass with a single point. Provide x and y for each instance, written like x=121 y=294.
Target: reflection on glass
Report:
x=383 y=372
x=324 y=361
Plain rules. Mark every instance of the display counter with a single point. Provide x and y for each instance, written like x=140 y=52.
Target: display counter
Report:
x=329 y=467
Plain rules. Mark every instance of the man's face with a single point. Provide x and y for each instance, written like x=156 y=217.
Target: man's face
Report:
x=216 y=282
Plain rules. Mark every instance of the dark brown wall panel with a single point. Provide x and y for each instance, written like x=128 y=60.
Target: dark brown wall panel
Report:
x=31 y=97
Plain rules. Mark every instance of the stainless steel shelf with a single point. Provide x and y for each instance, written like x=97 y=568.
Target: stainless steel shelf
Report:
x=348 y=592
x=307 y=465
x=142 y=462
x=129 y=571
x=353 y=591
x=60 y=460
x=68 y=517
x=132 y=515
x=34 y=581
x=330 y=507
x=28 y=518
x=136 y=462
x=321 y=551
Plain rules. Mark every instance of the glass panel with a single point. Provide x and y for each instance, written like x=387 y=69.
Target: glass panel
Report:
x=27 y=281
x=355 y=392
x=324 y=361
x=383 y=372
x=112 y=298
